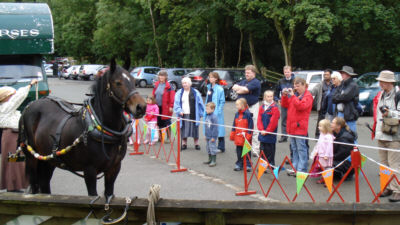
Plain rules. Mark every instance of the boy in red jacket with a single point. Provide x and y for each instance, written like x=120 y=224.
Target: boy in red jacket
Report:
x=299 y=103
x=243 y=119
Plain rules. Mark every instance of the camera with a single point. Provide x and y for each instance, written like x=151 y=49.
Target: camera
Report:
x=383 y=108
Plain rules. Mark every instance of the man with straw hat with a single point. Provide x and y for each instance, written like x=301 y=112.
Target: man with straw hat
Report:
x=346 y=98
x=386 y=108
x=12 y=173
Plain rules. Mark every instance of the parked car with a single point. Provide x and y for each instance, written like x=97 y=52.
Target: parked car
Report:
x=102 y=71
x=199 y=78
x=228 y=79
x=88 y=72
x=369 y=88
x=312 y=77
x=144 y=75
x=48 y=68
x=71 y=72
x=175 y=76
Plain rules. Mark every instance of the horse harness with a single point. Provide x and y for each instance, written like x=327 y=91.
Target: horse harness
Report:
x=93 y=129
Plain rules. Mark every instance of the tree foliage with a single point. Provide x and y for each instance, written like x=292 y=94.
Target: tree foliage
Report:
x=307 y=34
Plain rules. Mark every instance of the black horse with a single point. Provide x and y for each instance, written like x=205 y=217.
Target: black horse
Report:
x=97 y=133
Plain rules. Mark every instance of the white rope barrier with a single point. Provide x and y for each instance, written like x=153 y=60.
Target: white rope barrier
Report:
x=287 y=135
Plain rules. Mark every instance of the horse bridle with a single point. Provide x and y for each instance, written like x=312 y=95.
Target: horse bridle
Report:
x=119 y=101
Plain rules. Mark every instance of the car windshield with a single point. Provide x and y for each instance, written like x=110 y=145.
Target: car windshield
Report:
x=19 y=73
x=368 y=81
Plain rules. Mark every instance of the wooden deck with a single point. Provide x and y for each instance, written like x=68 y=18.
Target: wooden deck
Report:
x=70 y=209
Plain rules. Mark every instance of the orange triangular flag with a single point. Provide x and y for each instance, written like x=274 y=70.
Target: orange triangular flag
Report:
x=385 y=174
x=262 y=166
x=328 y=178
x=163 y=131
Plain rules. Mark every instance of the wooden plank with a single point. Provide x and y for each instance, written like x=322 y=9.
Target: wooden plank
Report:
x=203 y=212
x=214 y=219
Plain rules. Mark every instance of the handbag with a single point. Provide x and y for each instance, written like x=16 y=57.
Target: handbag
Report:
x=390 y=126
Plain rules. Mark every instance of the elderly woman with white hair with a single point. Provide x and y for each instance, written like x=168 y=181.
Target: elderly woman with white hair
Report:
x=189 y=105
x=12 y=173
x=336 y=79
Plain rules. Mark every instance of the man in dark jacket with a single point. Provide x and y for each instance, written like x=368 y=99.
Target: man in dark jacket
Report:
x=346 y=98
x=284 y=84
x=320 y=92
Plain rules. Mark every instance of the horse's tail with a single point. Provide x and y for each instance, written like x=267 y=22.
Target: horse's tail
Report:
x=22 y=136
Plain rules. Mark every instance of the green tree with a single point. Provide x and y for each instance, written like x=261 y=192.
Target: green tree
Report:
x=288 y=14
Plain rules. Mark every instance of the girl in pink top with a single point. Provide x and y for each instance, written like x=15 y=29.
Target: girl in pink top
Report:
x=323 y=150
x=151 y=120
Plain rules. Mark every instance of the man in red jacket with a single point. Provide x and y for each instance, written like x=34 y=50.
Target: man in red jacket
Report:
x=299 y=103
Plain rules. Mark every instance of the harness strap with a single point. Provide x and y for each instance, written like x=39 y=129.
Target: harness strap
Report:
x=57 y=136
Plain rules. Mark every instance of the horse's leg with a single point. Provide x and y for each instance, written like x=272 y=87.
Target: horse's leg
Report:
x=45 y=171
x=31 y=171
x=109 y=178
x=90 y=175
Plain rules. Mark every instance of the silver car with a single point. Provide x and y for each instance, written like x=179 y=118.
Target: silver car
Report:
x=175 y=76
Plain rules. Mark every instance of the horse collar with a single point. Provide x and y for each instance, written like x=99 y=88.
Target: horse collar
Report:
x=96 y=128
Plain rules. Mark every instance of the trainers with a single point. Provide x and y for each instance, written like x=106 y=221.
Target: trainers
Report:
x=237 y=168
x=283 y=139
x=248 y=169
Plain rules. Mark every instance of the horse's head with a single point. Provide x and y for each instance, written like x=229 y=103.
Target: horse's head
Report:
x=121 y=87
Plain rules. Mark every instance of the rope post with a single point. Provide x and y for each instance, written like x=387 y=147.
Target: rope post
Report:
x=136 y=144
x=178 y=158
x=246 y=184
x=356 y=165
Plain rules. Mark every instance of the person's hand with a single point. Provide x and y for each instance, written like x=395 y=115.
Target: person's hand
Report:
x=170 y=109
x=386 y=113
x=181 y=113
x=235 y=87
x=34 y=81
x=212 y=139
x=326 y=157
x=263 y=133
x=290 y=91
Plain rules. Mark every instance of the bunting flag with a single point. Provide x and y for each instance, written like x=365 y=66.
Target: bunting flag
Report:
x=276 y=171
x=163 y=131
x=385 y=174
x=328 y=178
x=173 y=129
x=246 y=147
x=363 y=160
x=262 y=166
x=300 y=179
x=153 y=132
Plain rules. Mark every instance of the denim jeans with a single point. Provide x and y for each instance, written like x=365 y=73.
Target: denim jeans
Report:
x=300 y=154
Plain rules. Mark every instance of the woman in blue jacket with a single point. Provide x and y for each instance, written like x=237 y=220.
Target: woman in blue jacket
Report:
x=216 y=94
x=189 y=105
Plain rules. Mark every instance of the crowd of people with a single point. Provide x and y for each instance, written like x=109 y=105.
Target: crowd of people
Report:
x=255 y=123
x=336 y=102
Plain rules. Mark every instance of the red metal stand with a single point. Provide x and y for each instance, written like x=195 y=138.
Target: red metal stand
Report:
x=178 y=161
x=246 y=184
x=136 y=144
x=356 y=166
